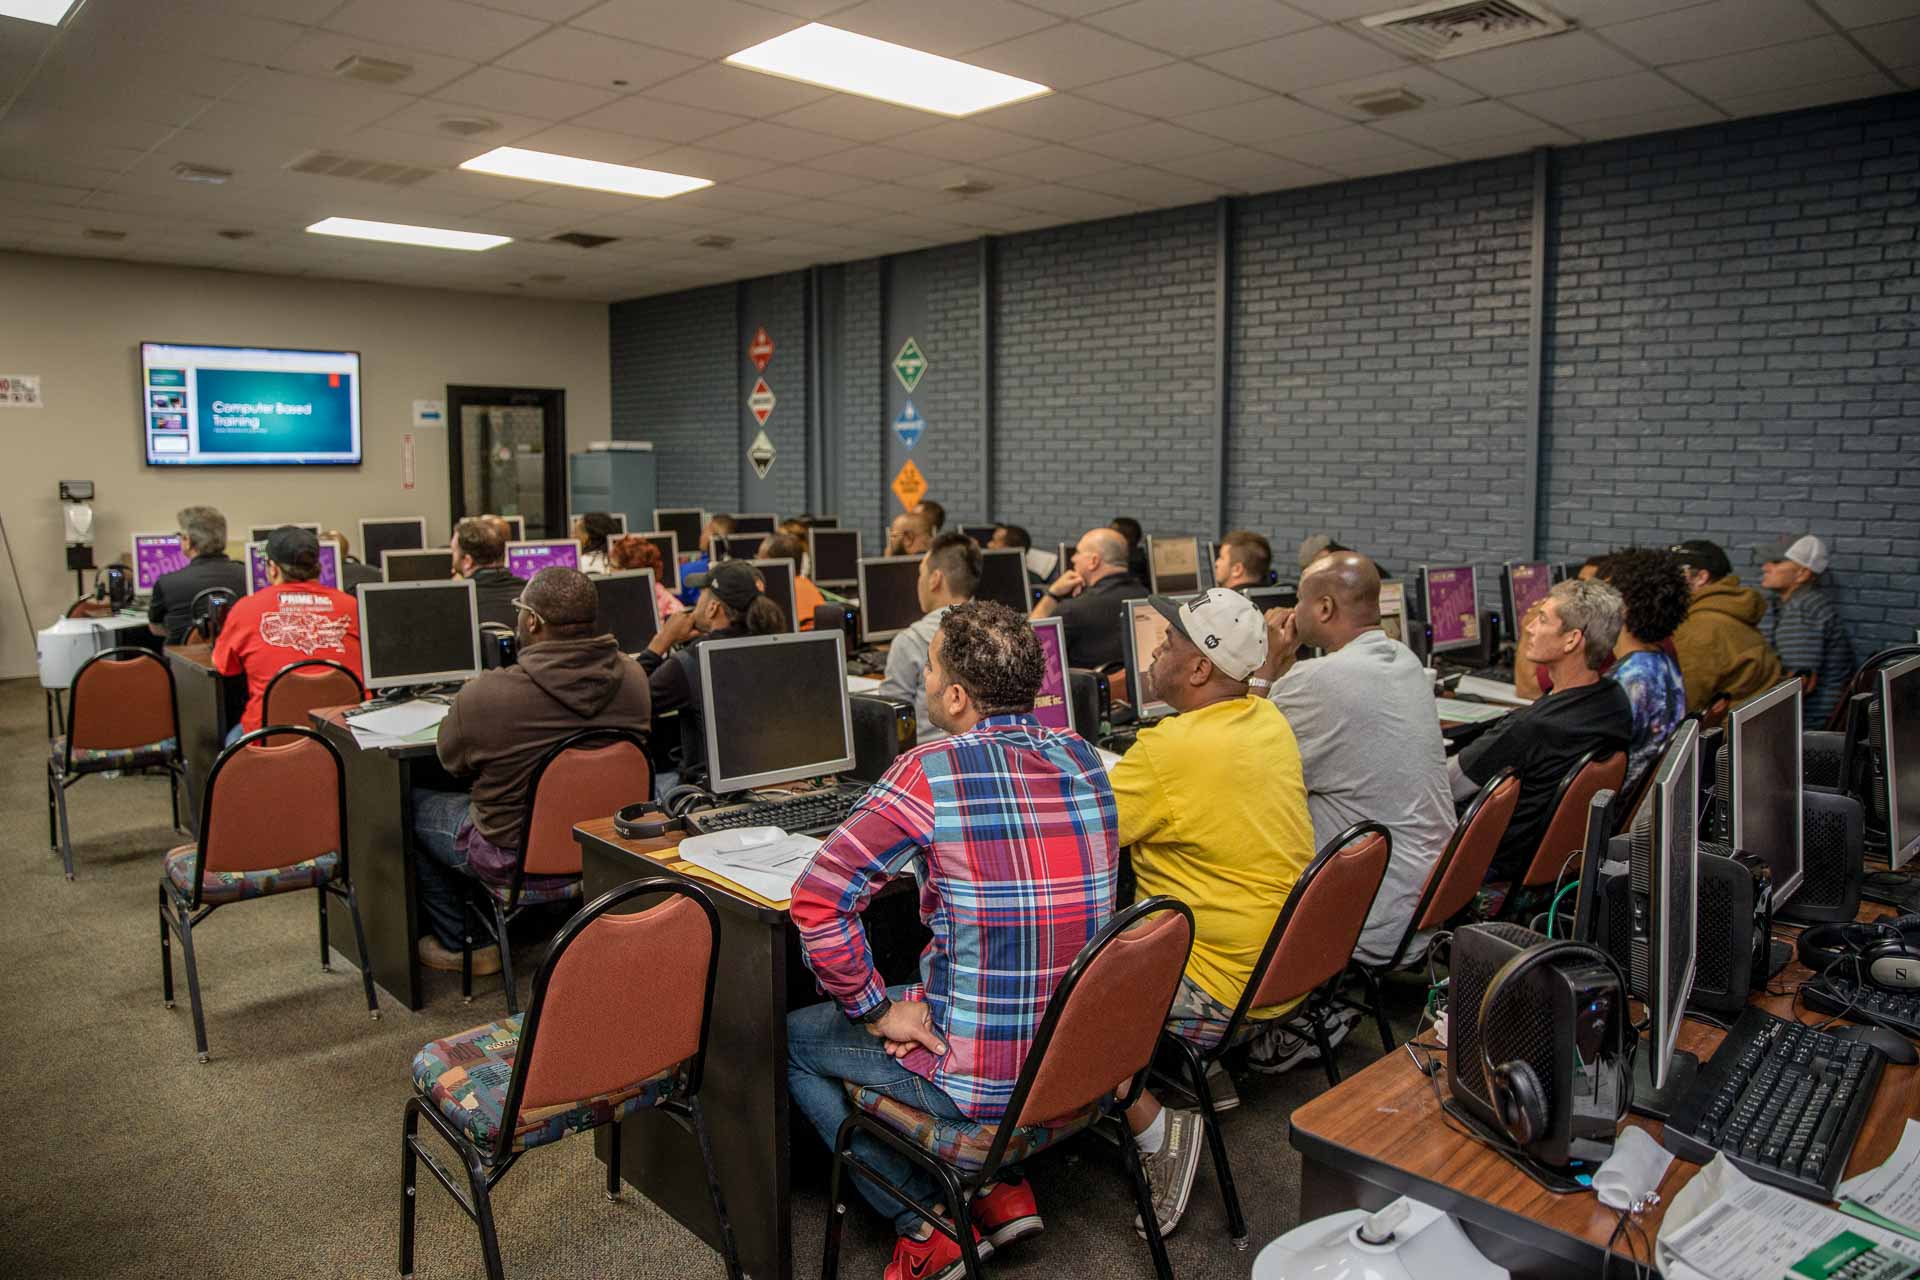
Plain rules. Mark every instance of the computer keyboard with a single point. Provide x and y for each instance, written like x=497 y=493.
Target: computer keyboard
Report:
x=803 y=812
x=1499 y=675
x=1864 y=1002
x=1783 y=1101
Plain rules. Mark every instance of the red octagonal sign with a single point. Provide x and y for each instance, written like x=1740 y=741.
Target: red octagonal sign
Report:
x=761 y=401
x=760 y=350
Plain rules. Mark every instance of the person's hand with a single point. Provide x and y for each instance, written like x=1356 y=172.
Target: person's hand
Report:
x=905 y=1026
x=1283 y=642
x=1067 y=584
x=678 y=628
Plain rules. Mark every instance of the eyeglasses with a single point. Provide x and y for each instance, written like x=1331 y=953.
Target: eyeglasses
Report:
x=520 y=602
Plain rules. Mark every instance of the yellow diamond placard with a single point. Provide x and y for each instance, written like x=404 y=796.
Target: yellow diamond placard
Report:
x=909 y=486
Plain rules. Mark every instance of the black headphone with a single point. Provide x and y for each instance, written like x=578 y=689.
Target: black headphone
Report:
x=1519 y=1099
x=1886 y=952
x=646 y=821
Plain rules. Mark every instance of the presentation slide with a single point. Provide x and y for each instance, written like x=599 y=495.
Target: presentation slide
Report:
x=249 y=406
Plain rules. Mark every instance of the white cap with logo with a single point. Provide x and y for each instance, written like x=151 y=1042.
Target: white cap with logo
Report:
x=1224 y=625
x=1808 y=552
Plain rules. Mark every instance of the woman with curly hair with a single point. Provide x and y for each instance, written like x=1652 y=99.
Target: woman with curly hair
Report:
x=1655 y=590
x=631 y=551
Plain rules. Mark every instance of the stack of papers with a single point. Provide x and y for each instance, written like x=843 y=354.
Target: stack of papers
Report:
x=764 y=860
x=1492 y=691
x=398 y=725
x=863 y=684
x=1889 y=1196
x=1725 y=1226
x=1460 y=711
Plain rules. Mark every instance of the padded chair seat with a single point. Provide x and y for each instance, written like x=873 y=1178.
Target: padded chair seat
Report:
x=962 y=1143
x=535 y=890
x=98 y=759
x=235 y=886
x=466 y=1077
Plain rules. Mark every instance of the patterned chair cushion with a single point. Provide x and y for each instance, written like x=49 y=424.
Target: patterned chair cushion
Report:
x=962 y=1143
x=97 y=759
x=233 y=886
x=466 y=1077
x=535 y=889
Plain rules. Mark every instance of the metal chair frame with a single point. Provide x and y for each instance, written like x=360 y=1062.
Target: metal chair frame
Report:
x=61 y=775
x=1510 y=905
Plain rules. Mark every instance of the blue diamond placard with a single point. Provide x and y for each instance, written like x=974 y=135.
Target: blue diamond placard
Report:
x=909 y=425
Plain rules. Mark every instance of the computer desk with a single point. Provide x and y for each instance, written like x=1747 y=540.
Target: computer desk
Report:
x=1379 y=1135
x=208 y=705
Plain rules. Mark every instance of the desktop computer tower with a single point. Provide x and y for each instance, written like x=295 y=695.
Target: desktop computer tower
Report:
x=1733 y=916
x=1832 y=854
x=1089 y=702
x=1478 y=952
x=883 y=728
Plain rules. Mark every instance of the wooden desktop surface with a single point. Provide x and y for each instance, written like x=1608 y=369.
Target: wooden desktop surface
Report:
x=1388 y=1116
x=198 y=655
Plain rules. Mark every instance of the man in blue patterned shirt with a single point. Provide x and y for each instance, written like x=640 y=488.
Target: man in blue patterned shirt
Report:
x=1803 y=626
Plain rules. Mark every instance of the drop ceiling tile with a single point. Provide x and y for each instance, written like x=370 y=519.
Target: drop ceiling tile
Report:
x=704 y=162
x=1192 y=27
x=1759 y=71
x=1564 y=59
x=157 y=102
x=1149 y=143
x=1244 y=169
x=447 y=152
x=541 y=97
x=346 y=103
x=1149 y=186
x=1866 y=13
x=651 y=118
x=1175 y=89
x=826 y=213
x=718 y=87
x=879 y=164
x=1449 y=125
x=959 y=140
x=1645 y=91
x=857 y=119
x=1340 y=10
x=813 y=10
x=1605 y=13
x=1253 y=124
x=1794 y=97
x=554 y=197
x=50 y=133
x=589 y=144
x=1059 y=117
x=1634 y=124
x=998 y=179
x=776 y=142
x=1054 y=163
x=893 y=197
x=153 y=31
x=799 y=180
x=1067 y=56
x=307 y=12
x=317 y=53
x=1323 y=55
x=709 y=29
x=1073 y=8
x=446 y=27
x=585 y=57
x=1508 y=144
x=1897 y=44
x=1354 y=149
x=1720 y=27
x=1433 y=90
x=549 y=10
x=949 y=29
x=426 y=116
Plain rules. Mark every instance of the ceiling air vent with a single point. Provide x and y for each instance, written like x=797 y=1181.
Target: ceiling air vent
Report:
x=582 y=239
x=203 y=173
x=372 y=70
x=1386 y=102
x=103 y=233
x=467 y=126
x=1451 y=28
x=332 y=164
x=965 y=184
x=235 y=233
x=715 y=242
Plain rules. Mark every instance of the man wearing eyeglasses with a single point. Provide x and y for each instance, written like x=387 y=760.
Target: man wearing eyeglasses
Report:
x=569 y=677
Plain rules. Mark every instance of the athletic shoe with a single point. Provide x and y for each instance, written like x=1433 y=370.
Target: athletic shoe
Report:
x=486 y=960
x=1225 y=1096
x=1005 y=1214
x=1171 y=1169
x=1279 y=1049
x=935 y=1258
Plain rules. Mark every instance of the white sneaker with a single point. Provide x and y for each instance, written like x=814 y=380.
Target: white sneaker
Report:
x=1279 y=1048
x=1225 y=1096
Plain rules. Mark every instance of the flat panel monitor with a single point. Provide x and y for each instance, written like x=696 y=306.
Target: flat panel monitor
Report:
x=1043 y=566
x=980 y=533
x=418 y=632
x=619 y=519
x=524 y=559
x=391 y=533
x=625 y=608
x=733 y=546
x=1142 y=635
x=1051 y=706
x=206 y=406
x=154 y=556
x=762 y=523
x=1265 y=598
x=835 y=554
x=1393 y=610
x=667 y=543
x=889 y=596
x=259 y=532
x=427 y=565
x=516 y=528
x=805 y=676
x=330 y=557
x=1173 y=565
x=778 y=577
x=1003 y=578
x=1899 y=733
x=1451 y=596
x=1064 y=553
x=1760 y=785
x=685 y=521
x=1523 y=584
x=825 y=522
x=1665 y=856
x=1209 y=553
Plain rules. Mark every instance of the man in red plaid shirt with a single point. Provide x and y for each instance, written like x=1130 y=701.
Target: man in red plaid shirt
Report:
x=1010 y=830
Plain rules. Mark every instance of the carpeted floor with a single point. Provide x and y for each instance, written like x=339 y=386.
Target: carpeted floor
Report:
x=280 y=1157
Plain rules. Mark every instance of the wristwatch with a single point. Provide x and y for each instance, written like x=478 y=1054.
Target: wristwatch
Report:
x=876 y=1013
x=1259 y=685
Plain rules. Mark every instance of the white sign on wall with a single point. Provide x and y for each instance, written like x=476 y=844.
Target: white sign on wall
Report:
x=20 y=391
x=429 y=413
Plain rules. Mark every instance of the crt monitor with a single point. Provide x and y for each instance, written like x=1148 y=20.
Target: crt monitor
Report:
x=1759 y=789
x=775 y=709
x=685 y=521
x=1898 y=729
x=625 y=608
x=1265 y=598
x=391 y=533
x=418 y=632
x=835 y=556
x=1451 y=596
x=762 y=523
x=1051 y=706
x=667 y=543
x=1523 y=584
x=1142 y=635
x=257 y=566
x=1003 y=579
x=889 y=596
x=154 y=556
x=1173 y=565
x=825 y=522
x=1665 y=859
x=427 y=565
x=733 y=546
x=259 y=532
x=524 y=559
x=778 y=577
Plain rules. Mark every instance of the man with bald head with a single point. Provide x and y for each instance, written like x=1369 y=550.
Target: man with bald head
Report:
x=1090 y=599
x=911 y=533
x=1370 y=746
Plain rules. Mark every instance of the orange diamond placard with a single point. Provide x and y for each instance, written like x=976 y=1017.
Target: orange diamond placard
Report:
x=909 y=486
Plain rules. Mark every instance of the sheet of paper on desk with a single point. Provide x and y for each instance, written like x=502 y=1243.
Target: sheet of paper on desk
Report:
x=1725 y=1225
x=402 y=720
x=1889 y=1196
x=1107 y=758
x=1492 y=691
x=768 y=868
x=863 y=684
x=1460 y=711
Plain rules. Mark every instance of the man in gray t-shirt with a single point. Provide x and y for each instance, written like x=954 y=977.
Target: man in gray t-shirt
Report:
x=1369 y=738
x=949 y=574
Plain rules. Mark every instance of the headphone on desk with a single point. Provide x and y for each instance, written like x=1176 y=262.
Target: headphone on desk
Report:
x=1519 y=1098
x=1885 y=952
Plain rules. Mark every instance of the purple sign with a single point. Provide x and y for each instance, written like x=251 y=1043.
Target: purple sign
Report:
x=524 y=559
x=257 y=566
x=1531 y=582
x=1050 y=705
x=1453 y=607
x=155 y=554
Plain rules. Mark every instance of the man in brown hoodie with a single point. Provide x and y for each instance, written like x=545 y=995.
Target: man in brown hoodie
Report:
x=568 y=678
x=1720 y=645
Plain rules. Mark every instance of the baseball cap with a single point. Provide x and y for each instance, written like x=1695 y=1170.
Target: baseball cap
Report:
x=1223 y=625
x=1807 y=551
x=292 y=547
x=734 y=581
x=1699 y=553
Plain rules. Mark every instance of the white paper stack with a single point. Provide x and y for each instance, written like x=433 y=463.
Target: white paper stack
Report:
x=765 y=860
x=397 y=725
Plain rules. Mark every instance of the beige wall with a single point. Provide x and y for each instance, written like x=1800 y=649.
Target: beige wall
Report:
x=78 y=324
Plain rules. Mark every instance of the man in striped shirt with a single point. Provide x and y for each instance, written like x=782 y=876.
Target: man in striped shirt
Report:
x=1803 y=626
x=1009 y=829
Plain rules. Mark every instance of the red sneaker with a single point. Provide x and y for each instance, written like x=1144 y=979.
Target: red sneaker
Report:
x=935 y=1258
x=1007 y=1213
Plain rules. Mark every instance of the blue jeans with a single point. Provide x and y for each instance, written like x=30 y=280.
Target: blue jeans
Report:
x=823 y=1049
x=442 y=873
x=234 y=734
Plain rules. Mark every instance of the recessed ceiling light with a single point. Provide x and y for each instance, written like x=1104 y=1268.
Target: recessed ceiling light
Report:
x=837 y=59
x=47 y=11
x=401 y=233
x=571 y=171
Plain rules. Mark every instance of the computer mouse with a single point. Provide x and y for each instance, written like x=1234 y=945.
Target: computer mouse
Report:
x=1898 y=1048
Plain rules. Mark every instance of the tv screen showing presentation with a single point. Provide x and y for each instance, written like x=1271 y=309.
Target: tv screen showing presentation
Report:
x=249 y=406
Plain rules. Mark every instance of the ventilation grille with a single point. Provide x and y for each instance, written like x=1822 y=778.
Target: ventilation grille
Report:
x=1451 y=28
x=103 y=233
x=332 y=164
x=372 y=70
x=714 y=242
x=582 y=239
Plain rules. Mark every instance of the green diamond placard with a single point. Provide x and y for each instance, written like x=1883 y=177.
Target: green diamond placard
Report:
x=910 y=365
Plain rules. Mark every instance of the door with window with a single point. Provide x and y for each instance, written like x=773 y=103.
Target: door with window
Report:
x=507 y=447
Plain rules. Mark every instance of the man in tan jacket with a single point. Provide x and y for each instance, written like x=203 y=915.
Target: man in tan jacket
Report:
x=1720 y=645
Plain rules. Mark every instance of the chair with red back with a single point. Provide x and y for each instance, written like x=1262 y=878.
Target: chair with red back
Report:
x=1567 y=831
x=248 y=849
x=301 y=687
x=586 y=775
x=1087 y=1064
x=1302 y=963
x=120 y=715
x=617 y=1025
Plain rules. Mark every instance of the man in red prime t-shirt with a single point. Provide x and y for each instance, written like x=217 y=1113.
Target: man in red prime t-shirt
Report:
x=294 y=618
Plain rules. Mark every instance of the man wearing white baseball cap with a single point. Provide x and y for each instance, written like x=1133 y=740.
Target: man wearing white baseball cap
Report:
x=1803 y=626
x=1214 y=804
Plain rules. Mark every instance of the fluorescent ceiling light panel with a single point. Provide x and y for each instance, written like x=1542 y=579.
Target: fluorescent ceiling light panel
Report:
x=401 y=233
x=837 y=59
x=595 y=175
x=47 y=11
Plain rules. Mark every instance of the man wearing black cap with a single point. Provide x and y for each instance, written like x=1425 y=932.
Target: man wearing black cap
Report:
x=293 y=618
x=1720 y=646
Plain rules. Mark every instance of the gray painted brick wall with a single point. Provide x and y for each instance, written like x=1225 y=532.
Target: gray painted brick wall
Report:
x=778 y=303
x=859 y=428
x=948 y=396
x=673 y=383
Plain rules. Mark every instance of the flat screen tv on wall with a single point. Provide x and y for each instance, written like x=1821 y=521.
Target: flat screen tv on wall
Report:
x=204 y=406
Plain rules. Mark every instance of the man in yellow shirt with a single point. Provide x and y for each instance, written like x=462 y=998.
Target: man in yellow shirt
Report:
x=1213 y=802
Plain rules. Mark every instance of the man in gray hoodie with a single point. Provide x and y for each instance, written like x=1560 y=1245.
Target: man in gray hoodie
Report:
x=568 y=678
